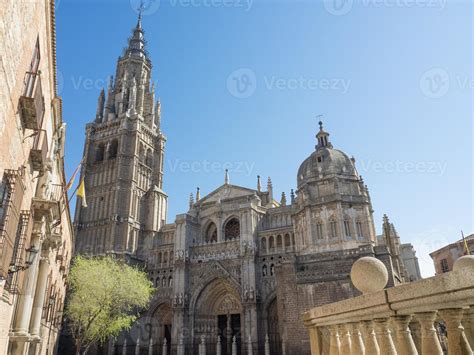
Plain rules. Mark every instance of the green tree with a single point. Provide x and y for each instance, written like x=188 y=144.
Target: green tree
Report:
x=105 y=295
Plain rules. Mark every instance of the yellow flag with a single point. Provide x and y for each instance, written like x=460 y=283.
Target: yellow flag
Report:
x=81 y=192
x=466 y=247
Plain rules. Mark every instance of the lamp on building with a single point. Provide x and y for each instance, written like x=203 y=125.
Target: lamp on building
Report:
x=30 y=258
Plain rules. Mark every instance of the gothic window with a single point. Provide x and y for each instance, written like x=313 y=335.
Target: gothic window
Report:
x=157 y=282
x=232 y=229
x=319 y=231
x=279 y=243
x=141 y=153
x=211 y=233
x=99 y=153
x=287 y=241
x=264 y=270
x=333 y=226
x=158 y=259
x=272 y=270
x=149 y=158
x=444 y=265
x=272 y=244
x=347 y=228
x=360 y=232
x=165 y=258
x=170 y=281
x=163 y=281
x=263 y=245
x=113 y=149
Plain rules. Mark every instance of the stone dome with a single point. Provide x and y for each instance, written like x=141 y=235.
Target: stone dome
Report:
x=325 y=161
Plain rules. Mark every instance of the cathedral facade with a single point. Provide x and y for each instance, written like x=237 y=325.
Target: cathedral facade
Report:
x=234 y=273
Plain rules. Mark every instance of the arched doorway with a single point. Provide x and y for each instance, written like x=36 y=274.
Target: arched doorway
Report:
x=161 y=327
x=273 y=327
x=218 y=313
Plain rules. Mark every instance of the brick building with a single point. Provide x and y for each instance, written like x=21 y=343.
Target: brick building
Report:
x=445 y=257
x=35 y=227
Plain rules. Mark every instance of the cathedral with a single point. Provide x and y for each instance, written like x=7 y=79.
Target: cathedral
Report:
x=234 y=273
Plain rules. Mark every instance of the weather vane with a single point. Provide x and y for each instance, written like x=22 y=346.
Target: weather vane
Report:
x=320 y=121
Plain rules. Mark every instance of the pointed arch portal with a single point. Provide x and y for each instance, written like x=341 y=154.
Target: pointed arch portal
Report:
x=218 y=312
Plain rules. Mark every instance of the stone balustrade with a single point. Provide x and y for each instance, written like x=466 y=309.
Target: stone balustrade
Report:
x=432 y=316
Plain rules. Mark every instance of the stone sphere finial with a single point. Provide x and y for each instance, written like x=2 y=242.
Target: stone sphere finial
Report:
x=369 y=275
x=464 y=261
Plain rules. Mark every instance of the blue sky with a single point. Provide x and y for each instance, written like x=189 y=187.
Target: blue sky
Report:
x=242 y=83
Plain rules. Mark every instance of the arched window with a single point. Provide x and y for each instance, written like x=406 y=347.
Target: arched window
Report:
x=333 y=226
x=141 y=153
x=232 y=229
x=360 y=232
x=157 y=282
x=158 y=259
x=264 y=270
x=272 y=270
x=211 y=233
x=319 y=231
x=279 y=243
x=99 y=153
x=163 y=281
x=287 y=241
x=263 y=245
x=165 y=257
x=271 y=244
x=149 y=158
x=113 y=149
x=347 y=228
x=170 y=281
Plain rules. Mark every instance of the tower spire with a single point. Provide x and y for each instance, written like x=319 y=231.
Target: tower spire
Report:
x=136 y=43
x=227 y=178
x=322 y=137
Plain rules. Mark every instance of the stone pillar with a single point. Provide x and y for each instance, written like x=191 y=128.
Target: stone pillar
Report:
x=334 y=344
x=35 y=323
x=405 y=343
x=234 y=346
x=25 y=304
x=137 y=347
x=429 y=338
x=150 y=347
x=384 y=337
x=202 y=346
x=267 y=345
x=249 y=346
x=468 y=323
x=415 y=329
x=345 y=338
x=356 y=338
x=457 y=340
x=370 y=340
x=219 y=346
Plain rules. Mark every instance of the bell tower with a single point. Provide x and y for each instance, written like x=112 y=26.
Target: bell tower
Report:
x=123 y=160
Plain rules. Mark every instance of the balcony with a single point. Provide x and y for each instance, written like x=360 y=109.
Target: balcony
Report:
x=432 y=316
x=39 y=151
x=31 y=105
